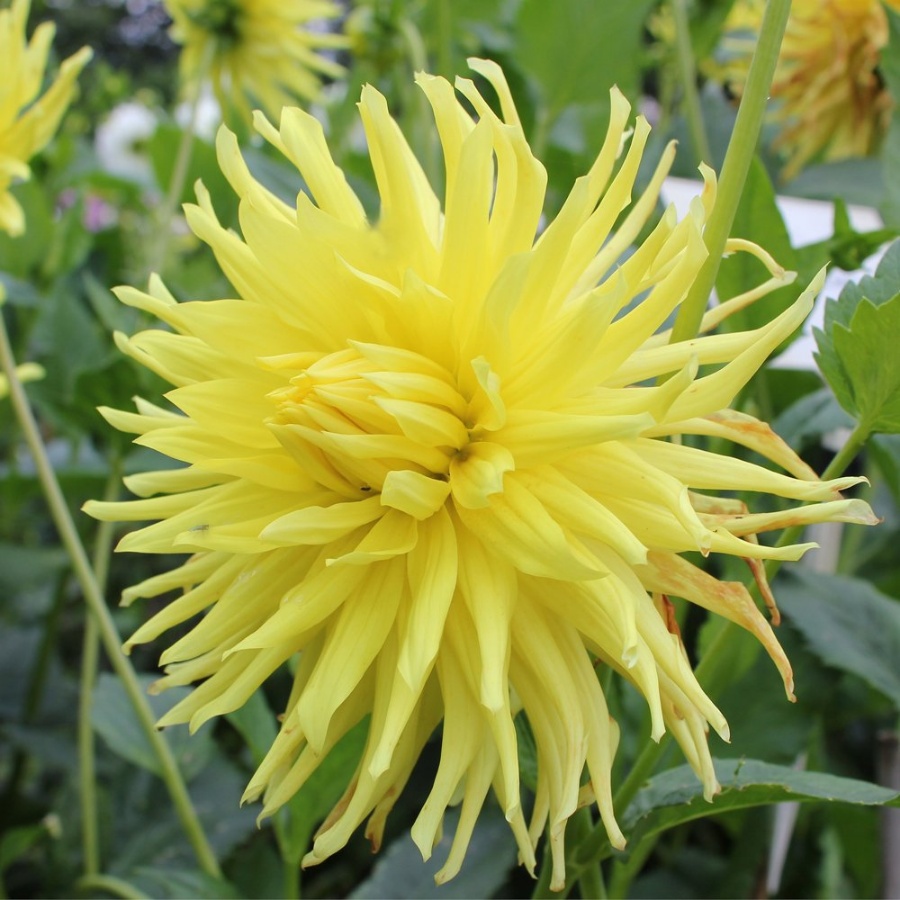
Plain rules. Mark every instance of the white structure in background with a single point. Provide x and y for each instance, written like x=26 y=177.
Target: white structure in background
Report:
x=119 y=143
x=208 y=116
x=807 y=222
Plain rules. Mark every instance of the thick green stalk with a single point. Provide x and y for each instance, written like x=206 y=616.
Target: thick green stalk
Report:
x=87 y=791
x=687 y=73
x=62 y=518
x=159 y=251
x=741 y=149
x=89 y=659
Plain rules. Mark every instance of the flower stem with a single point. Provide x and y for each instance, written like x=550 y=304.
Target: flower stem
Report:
x=62 y=518
x=591 y=885
x=157 y=259
x=89 y=660
x=741 y=149
x=445 y=39
x=109 y=884
x=687 y=71
x=90 y=840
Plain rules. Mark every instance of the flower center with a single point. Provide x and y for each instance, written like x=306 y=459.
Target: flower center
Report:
x=369 y=411
x=221 y=18
x=376 y=419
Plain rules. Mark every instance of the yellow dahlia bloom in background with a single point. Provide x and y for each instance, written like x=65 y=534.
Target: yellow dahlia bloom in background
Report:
x=426 y=454
x=27 y=121
x=832 y=102
x=256 y=53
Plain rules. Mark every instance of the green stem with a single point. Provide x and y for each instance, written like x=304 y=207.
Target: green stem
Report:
x=118 y=887
x=545 y=874
x=157 y=259
x=687 y=71
x=623 y=873
x=291 y=885
x=62 y=518
x=738 y=157
x=445 y=39
x=90 y=831
x=591 y=885
x=89 y=660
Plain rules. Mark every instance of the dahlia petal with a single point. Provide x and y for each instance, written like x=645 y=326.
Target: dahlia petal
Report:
x=171 y=481
x=672 y=575
x=534 y=436
x=453 y=125
x=394 y=534
x=477 y=474
x=520 y=529
x=465 y=243
x=579 y=511
x=194 y=601
x=305 y=607
x=419 y=496
x=856 y=512
x=746 y=431
x=302 y=140
x=408 y=204
x=713 y=392
x=354 y=641
x=322 y=524
x=483 y=576
x=426 y=424
x=431 y=570
x=221 y=406
x=711 y=471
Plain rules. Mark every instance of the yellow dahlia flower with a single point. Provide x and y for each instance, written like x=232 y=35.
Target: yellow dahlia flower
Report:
x=256 y=52
x=426 y=454
x=832 y=102
x=27 y=121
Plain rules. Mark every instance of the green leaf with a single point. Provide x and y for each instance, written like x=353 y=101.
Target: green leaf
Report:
x=707 y=18
x=847 y=623
x=675 y=796
x=758 y=219
x=114 y=719
x=23 y=567
x=812 y=416
x=16 y=842
x=885 y=451
x=400 y=872
x=856 y=347
x=580 y=49
x=255 y=723
x=163 y=882
x=872 y=368
x=852 y=180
